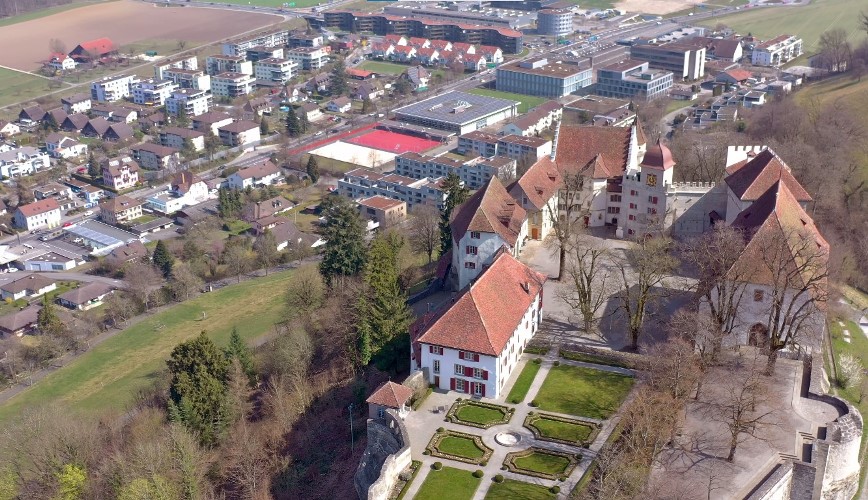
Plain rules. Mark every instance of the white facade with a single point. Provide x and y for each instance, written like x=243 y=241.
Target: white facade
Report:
x=643 y=200
x=186 y=63
x=275 y=70
x=237 y=181
x=47 y=218
x=169 y=202
x=189 y=79
x=476 y=250
x=232 y=85
x=153 y=92
x=777 y=51
x=111 y=89
x=309 y=58
x=66 y=148
x=193 y=102
x=228 y=64
x=23 y=161
x=76 y=106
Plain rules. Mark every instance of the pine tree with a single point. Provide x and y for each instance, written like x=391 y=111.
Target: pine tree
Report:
x=293 y=126
x=47 y=320
x=163 y=259
x=182 y=120
x=456 y=194
x=312 y=169
x=92 y=167
x=338 y=79
x=303 y=123
x=237 y=349
x=344 y=252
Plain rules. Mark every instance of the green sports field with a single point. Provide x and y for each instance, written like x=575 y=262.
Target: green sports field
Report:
x=109 y=375
x=808 y=21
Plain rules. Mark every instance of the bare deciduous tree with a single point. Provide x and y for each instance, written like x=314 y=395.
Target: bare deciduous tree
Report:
x=143 y=280
x=589 y=280
x=835 y=50
x=184 y=281
x=674 y=368
x=565 y=213
x=425 y=230
x=237 y=260
x=703 y=334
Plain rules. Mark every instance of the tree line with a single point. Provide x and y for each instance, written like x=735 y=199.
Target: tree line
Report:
x=18 y=7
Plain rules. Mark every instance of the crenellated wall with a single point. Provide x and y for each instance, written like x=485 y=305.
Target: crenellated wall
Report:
x=386 y=455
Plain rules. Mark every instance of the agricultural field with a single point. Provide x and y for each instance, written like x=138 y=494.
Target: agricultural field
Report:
x=125 y=22
x=526 y=102
x=6 y=21
x=806 y=21
x=16 y=86
x=108 y=376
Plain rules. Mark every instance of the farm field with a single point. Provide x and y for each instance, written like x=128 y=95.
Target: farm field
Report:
x=125 y=22
x=808 y=21
x=109 y=375
x=526 y=102
x=16 y=86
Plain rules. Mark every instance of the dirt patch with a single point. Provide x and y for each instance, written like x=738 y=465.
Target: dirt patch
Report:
x=654 y=6
x=124 y=22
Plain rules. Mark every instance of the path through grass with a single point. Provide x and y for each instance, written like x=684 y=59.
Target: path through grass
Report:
x=583 y=392
x=448 y=484
x=109 y=375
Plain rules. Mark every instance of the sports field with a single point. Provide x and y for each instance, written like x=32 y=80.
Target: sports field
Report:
x=385 y=68
x=109 y=375
x=526 y=102
x=393 y=142
x=16 y=86
x=353 y=154
x=807 y=21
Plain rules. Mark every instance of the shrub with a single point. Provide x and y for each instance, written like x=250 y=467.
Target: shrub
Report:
x=557 y=363
x=534 y=403
x=437 y=465
x=477 y=473
x=555 y=489
x=426 y=452
x=849 y=371
x=483 y=463
x=537 y=360
x=440 y=429
x=514 y=401
x=498 y=478
x=503 y=467
x=562 y=478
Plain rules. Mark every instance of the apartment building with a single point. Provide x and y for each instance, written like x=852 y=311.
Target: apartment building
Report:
x=309 y=58
x=25 y=160
x=776 y=51
x=544 y=77
x=174 y=137
x=228 y=64
x=232 y=85
x=305 y=40
x=633 y=79
x=274 y=38
x=153 y=92
x=478 y=142
x=112 y=88
x=189 y=78
x=686 y=60
x=120 y=209
x=519 y=146
x=42 y=213
x=120 y=173
x=185 y=63
x=364 y=183
x=239 y=133
x=475 y=173
x=259 y=53
x=273 y=69
x=193 y=102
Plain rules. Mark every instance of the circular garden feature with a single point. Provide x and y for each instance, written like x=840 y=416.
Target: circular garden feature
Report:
x=459 y=446
x=542 y=463
x=478 y=414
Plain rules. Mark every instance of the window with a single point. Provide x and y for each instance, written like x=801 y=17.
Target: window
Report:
x=471 y=250
x=652 y=211
x=615 y=197
x=477 y=373
x=459 y=369
x=758 y=295
x=631 y=217
x=474 y=235
x=633 y=192
x=470 y=265
x=435 y=349
x=459 y=385
x=436 y=366
x=632 y=206
x=652 y=199
x=614 y=210
x=477 y=388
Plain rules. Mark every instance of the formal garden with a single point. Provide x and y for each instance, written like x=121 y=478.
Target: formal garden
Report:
x=510 y=488
x=447 y=483
x=562 y=429
x=582 y=392
x=478 y=414
x=522 y=383
x=458 y=446
x=542 y=463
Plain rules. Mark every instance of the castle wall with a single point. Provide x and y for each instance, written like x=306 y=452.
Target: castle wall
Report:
x=386 y=455
x=689 y=206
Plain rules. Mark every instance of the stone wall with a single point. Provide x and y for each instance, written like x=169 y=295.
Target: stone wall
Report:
x=776 y=486
x=418 y=382
x=386 y=455
x=837 y=456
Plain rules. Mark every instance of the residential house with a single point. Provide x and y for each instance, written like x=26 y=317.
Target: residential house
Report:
x=92 y=195
x=22 y=161
x=463 y=48
x=239 y=133
x=186 y=189
x=382 y=50
x=536 y=120
x=118 y=132
x=120 y=210
x=8 y=129
x=128 y=252
x=174 y=137
x=492 y=54
x=441 y=45
x=95 y=127
x=340 y=105
x=419 y=42
x=74 y=122
x=366 y=90
x=311 y=111
x=385 y=211
x=60 y=146
x=318 y=83
x=256 y=210
x=262 y=174
x=120 y=173
x=32 y=285
x=474 y=62
x=395 y=39
x=42 y=213
x=33 y=114
x=417 y=76
x=20 y=322
x=56 y=116
x=537 y=191
x=475 y=341
x=256 y=107
x=85 y=296
x=155 y=157
x=114 y=113
x=60 y=62
x=79 y=103
x=403 y=53
x=52 y=190
x=211 y=121
x=723 y=49
x=427 y=56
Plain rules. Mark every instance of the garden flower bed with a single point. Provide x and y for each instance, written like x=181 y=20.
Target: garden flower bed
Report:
x=459 y=446
x=561 y=429
x=478 y=414
x=538 y=462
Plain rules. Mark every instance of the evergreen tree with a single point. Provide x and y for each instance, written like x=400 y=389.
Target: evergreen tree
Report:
x=368 y=106
x=312 y=169
x=264 y=127
x=229 y=203
x=338 y=80
x=47 y=320
x=188 y=149
x=293 y=126
x=163 y=259
x=303 y=123
x=344 y=253
x=182 y=120
x=456 y=194
x=237 y=349
x=92 y=167
x=384 y=317
x=199 y=374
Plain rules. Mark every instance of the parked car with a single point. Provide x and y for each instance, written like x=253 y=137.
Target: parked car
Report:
x=67 y=224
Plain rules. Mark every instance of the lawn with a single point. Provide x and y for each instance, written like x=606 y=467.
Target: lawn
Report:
x=480 y=414
x=16 y=86
x=523 y=382
x=109 y=375
x=591 y=358
x=572 y=432
x=807 y=21
x=584 y=392
x=526 y=102
x=544 y=463
x=448 y=484
x=386 y=68
x=842 y=89
x=510 y=488
x=460 y=446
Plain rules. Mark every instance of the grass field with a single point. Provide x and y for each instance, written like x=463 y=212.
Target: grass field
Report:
x=542 y=462
x=523 y=382
x=386 y=68
x=448 y=484
x=526 y=102
x=510 y=488
x=6 y=21
x=109 y=375
x=584 y=392
x=16 y=86
x=460 y=446
x=807 y=21
x=574 y=432
x=477 y=414
x=844 y=89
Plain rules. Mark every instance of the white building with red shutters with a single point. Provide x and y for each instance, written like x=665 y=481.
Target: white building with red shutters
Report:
x=473 y=343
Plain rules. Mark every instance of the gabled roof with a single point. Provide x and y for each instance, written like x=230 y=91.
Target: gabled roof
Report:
x=120 y=203
x=541 y=181
x=157 y=149
x=184 y=180
x=86 y=293
x=489 y=210
x=258 y=171
x=35 y=113
x=212 y=117
x=752 y=179
x=32 y=282
x=125 y=253
x=98 y=125
x=120 y=130
x=184 y=133
x=390 y=395
x=739 y=75
x=75 y=121
x=484 y=316
x=39 y=207
x=20 y=319
x=602 y=152
x=239 y=126
x=97 y=47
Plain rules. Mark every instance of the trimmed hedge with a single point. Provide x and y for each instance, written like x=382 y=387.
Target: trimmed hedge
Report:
x=509 y=462
x=533 y=417
x=452 y=415
x=434 y=450
x=477 y=473
x=437 y=465
x=498 y=478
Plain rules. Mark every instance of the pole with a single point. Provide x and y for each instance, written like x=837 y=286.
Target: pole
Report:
x=352 y=435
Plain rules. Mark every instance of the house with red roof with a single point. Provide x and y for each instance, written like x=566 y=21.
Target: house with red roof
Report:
x=403 y=53
x=93 y=49
x=395 y=39
x=418 y=42
x=750 y=172
x=389 y=396
x=487 y=222
x=60 y=62
x=474 y=62
x=537 y=191
x=463 y=48
x=473 y=343
x=427 y=56
x=41 y=213
x=382 y=50
x=441 y=45
x=734 y=76
x=491 y=53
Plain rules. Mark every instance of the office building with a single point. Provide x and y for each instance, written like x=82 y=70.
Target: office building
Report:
x=632 y=79
x=554 y=22
x=457 y=112
x=545 y=78
x=685 y=59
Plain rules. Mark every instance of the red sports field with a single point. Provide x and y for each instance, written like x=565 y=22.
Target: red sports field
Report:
x=393 y=142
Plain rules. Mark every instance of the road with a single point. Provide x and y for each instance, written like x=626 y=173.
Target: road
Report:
x=64 y=276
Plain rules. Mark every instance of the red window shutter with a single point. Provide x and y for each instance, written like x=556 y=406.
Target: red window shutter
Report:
x=476 y=357
x=431 y=349
x=467 y=387
x=468 y=372
x=482 y=389
x=484 y=375
x=460 y=354
x=452 y=383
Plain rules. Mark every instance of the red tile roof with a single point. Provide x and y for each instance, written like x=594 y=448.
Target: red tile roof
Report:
x=658 y=157
x=39 y=207
x=485 y=315
x=489 y=210
x=739 y=75
x=380 y=202
x=541 y=181
x=601 y=151
x=391 y=395
x=98 y=47
x=754 y=178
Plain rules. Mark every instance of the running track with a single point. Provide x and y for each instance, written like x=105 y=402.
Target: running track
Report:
x=329 y=140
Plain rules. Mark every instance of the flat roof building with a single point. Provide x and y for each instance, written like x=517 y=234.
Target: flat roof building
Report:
x=554 y=22
x=633 y=79
x=685 y=59
x=542 y=77
x=459 y=112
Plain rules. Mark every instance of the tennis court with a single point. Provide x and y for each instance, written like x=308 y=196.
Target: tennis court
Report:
x=393 y=142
